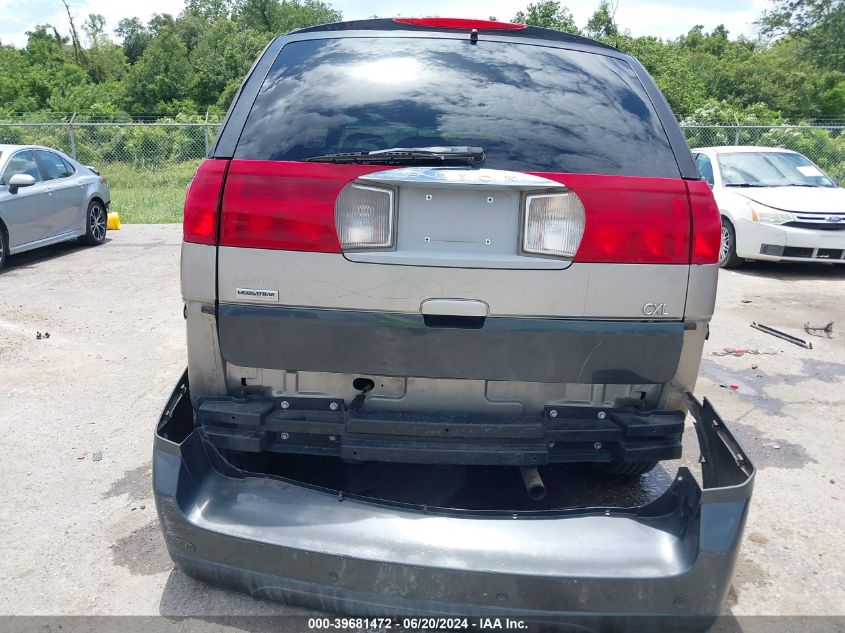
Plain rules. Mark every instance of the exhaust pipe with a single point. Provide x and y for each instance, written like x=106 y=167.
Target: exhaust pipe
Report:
x=534 y=485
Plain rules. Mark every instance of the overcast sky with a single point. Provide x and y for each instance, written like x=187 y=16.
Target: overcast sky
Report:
x=663 y=18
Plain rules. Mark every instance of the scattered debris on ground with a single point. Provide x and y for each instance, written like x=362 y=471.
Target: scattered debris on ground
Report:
x=740 y=351
x=827 y=330
x=782 y=335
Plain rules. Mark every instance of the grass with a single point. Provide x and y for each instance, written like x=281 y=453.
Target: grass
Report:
x=148 y=196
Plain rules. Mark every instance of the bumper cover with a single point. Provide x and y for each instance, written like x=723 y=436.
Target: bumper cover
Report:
x=283 y=540
x=755 y=238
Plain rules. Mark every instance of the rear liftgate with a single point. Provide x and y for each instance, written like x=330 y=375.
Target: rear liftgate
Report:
x=281 y=539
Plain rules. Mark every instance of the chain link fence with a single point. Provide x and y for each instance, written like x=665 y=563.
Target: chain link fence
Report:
x=148 y=165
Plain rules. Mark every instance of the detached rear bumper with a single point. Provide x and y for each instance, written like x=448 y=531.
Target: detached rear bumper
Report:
x=283 y=540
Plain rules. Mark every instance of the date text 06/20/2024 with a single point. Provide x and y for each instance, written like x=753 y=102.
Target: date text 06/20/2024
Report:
x=418 y=623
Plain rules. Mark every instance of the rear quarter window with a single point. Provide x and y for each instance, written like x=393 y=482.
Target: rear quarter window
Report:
x=531 y=107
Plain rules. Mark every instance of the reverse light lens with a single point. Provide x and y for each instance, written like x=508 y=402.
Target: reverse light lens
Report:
x=766 y=215
x=554 y=224
x=364 y=217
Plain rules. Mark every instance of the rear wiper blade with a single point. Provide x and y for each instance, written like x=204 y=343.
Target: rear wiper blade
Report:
x=474 y=156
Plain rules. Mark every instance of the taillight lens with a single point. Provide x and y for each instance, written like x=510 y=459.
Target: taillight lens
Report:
x=202 y=202
x=631 y=220
x=554 y=224
x=364 y=217
x=706 y=224
x=283 y=205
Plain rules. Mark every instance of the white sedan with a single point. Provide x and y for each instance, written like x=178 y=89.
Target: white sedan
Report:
x=776 y=205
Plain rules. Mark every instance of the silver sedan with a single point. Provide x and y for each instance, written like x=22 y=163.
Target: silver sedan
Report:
x=47 y=197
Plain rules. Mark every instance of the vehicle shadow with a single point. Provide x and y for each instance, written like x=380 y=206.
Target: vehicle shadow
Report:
x=33 y=258
x=788 y=270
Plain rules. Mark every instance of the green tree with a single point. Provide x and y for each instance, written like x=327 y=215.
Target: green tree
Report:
x=182 y=65
x=783 y=79
x=272 y=16
x=161 y=22
x=549 y=14
x=209 y=10
x=819 y=24
x=221 y=57
x=16 y=91
x=602 y=23
x=135 y=37
x=104 y=60
x=161 y=75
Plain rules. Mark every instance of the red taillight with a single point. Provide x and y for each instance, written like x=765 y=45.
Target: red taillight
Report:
x=202 y=202
x=284 y=205
x=706 y=224
x=460 y=23
x=631 y=220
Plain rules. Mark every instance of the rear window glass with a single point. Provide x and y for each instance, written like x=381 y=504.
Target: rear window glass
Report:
x=532 y=108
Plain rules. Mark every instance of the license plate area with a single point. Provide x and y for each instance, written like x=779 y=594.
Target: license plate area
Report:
x=446 y=222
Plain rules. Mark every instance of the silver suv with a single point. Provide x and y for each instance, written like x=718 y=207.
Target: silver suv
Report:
x=425 y=246
x=426 y=252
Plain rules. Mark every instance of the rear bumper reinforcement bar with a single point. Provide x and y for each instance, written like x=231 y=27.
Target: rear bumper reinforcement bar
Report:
x=325 y=426
x=281 y=539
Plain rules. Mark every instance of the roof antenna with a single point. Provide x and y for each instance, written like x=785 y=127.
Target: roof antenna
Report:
x=473 y=36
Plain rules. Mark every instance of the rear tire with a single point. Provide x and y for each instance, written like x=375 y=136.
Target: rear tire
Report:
x=727 y=247
x=626 y=469
x=96 y=220
x=3 y=245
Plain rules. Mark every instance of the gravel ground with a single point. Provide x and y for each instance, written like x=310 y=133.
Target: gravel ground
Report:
x=79 y=534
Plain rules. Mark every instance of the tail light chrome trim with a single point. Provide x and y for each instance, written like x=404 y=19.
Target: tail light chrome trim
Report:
x=463 y=177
